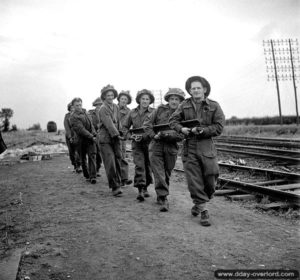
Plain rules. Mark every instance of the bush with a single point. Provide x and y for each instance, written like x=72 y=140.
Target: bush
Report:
x=14 y=128
x=51 y=126
x=36 y=126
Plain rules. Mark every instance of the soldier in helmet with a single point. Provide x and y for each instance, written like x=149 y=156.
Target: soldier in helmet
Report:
x=110 y=138
x=124 y=99
x=82 y=124
x=140 y=144
x=163 y=148
x=96 y=122
x=72 y=140
x=199 y=155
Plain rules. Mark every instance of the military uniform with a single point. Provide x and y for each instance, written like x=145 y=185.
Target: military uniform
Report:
x=124 y=112
x=83 y=126
x=96 y=122
x=163 y=152
x=140 y=153
x=199 y=155
x=110 y=145
x=72 y=142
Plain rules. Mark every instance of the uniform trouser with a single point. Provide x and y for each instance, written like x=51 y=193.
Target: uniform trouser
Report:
x=163 y=157
x=73 y=153
x=98 y=156
x=201 y=169
x=140 y=153
x=124 y=163
x=111 y=155
x=88 y=150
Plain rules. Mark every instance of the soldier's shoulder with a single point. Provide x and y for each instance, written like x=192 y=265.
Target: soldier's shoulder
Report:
x=213 y=102
x=186 y=101
x=163 y=106
x=151 y=109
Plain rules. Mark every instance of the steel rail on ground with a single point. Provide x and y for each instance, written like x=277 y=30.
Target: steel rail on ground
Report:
x=253 y=188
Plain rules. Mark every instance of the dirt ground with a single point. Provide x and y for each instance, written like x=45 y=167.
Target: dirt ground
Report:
x=70 y=229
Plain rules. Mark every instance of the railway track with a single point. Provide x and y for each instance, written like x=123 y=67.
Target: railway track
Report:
x=277 y=185
x=260 y=141
x=280 y=155
x=288 y=192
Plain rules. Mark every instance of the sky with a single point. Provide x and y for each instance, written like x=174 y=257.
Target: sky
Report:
x=54 y=50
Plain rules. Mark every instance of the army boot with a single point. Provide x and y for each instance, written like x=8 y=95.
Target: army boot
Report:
x=145 y=192
x=204 y=220
x=117 y=192
x=164 y=207
x=140 y=196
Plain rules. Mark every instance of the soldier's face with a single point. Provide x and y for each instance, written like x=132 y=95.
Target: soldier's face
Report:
x=197 y=90
x=145 y=101
x=173 y=101
x=98 y=107
x=109 y=97
x=77 y=106
x=123 y=100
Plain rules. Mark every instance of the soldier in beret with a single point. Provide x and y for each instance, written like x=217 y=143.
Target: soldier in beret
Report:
x=199 y=155
x=140 y=144
x=163 y=148
x=96 y=122
x=110 y=138
x=72 y=140
x=82 y=124
x=124 y=99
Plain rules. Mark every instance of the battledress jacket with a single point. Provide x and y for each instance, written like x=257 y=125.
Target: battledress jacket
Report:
x=159 y=116
x=136 y=120
x=67 y=125
x=110 y=125
x=82 y=124
x=209 y=114
x=95 y=119
x=124 y=111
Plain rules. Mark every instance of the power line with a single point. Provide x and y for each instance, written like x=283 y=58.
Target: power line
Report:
x=282 y=64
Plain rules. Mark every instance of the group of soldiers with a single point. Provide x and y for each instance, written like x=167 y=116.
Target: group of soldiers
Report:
x=99 y=137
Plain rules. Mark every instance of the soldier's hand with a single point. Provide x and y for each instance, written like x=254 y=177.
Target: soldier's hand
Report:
x=157 y=136
x=138 y=138
x=185 y=130
x=94 y=139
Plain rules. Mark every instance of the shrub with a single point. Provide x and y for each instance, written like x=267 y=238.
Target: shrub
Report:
x=14 y=128
x=35 y=126
x=51 y=126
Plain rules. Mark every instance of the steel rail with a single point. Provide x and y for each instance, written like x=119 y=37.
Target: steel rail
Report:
x=253 y=188
x=272 y=150
x=291 y=175
x=276 y=157
x=258 y=142
x=283 y=140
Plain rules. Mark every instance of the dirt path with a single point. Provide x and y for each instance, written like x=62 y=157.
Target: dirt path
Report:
x=78 y=231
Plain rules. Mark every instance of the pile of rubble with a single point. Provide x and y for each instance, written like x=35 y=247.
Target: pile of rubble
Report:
x=36 y=152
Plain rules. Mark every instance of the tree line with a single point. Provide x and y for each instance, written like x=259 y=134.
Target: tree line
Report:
x=261 y=120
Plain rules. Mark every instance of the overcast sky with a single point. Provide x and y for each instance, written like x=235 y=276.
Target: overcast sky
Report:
x=54 y=50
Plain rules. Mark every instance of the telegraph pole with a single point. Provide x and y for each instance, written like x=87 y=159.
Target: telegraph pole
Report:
x=276 y=78
x=282 y=65
x=294 y=82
